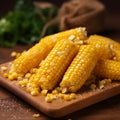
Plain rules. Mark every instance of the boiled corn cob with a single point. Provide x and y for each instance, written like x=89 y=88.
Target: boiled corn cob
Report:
x=53 y=67
x=75 y=34
x=106 y=44
x=80 y=69
x=108 y=69
x=37 y=53
x=31 y=58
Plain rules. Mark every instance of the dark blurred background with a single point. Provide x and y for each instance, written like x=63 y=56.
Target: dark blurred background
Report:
x=113 y=6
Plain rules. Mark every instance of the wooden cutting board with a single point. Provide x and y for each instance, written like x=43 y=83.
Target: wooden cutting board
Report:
x=60 y=107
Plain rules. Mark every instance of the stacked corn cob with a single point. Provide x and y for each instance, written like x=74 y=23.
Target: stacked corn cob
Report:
x=64 y=62
x=32 y=58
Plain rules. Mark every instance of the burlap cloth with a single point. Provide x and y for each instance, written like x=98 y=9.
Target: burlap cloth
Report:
x=75 y=13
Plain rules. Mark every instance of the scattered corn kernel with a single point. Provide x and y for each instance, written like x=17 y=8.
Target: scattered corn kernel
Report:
x=48 y=99
x=108 y=80
x=15 y=75
x=28 y=89
x=19 y=78
x=72 y=96
x=102 y=82
x=64 y=90
x=10 y=77
x=101 y=86
x=44 y=92
x=13 y=54
x=5 y=75
x=54 y=92
x=61 y=95
x=3 y=68
x=93 y=86
x=67 y=97
x=28 y=75
x=23 y=82
x=36 y=115
x=34 y=92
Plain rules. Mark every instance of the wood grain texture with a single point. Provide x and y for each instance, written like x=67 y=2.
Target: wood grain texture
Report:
x=60 y=107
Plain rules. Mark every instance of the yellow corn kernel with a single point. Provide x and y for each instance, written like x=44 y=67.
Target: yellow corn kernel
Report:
x=90 y=80
x=80 y=69
x=5 y=75
x=108 y=80
x=23 y=82
x=28 y=89
x=61 y=95
x=10 y=77
x=28 y=75
x=44 y=92
x=52 y=69
x=3 y=68
x=15 y=54
x=48 y=99
x=72 y=96
x=36 y=115
x=64 y=90
x=93 y=86
x=54 y=92
x=116 y=55
x=106 y=44
x=108 y=69
x=58 y=89
x=34 y=92
x=19 y=78
x=102 y=84
x=67 y=97
x=37 y=53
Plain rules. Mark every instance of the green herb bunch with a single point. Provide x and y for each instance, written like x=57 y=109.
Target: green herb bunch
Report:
x=24 y=24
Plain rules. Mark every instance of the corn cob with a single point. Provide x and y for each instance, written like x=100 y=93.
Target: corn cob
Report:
x=32 y=57
x=53 y=67
x=75 y=34
x=108 y=69
x=80 y=69
x=107 y=45
x=37 y=53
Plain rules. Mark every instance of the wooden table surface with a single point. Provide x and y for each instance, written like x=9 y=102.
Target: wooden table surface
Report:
x=14 y=108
